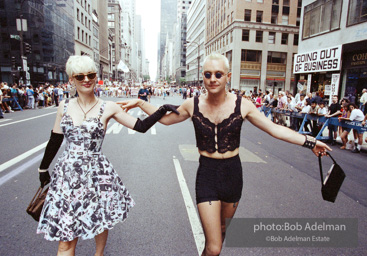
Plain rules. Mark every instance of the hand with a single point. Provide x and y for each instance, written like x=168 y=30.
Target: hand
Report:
x=129 y=104
x=44 y=178
x=321 y=148
x=172 y=108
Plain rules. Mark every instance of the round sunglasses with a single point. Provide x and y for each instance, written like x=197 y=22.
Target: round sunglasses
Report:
x=81 y=77
x=218 y=75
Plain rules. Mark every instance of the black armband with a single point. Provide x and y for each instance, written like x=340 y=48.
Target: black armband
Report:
x=52 y=147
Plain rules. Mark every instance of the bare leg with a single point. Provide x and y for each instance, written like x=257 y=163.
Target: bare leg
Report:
x=67 y=248
x=210 y=219
x=101 y=241
x=227 y=212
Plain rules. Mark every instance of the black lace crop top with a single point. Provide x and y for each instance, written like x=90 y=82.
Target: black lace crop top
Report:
x=222 y=137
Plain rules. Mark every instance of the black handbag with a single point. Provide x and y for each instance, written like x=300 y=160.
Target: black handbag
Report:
x=333 y=181
x=35 y=207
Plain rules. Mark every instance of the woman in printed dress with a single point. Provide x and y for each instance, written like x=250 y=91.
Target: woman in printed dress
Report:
x=86 y=197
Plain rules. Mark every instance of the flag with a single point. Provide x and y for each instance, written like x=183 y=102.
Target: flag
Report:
x=122 y=66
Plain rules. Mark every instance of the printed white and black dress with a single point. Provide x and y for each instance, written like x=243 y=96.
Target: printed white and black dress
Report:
x=86 y=196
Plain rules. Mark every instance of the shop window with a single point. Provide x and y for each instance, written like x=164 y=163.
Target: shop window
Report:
x=277 y=57
x=321 y=16
x=259 y=36
x=357 y=11
x=245 y=35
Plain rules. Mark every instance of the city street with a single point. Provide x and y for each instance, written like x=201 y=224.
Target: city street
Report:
x=280 y=181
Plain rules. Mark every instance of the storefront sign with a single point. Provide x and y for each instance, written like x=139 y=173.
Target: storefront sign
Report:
x=309 y=78
x=356 y=59
x=334 y=88
x=319 y=60
x=327 y=89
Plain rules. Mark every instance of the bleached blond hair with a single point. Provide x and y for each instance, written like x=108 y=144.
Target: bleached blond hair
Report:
x=217 y=56
x=80 y=64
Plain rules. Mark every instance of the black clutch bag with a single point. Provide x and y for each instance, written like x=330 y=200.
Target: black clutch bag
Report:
x=333 y=181
x=35 y=207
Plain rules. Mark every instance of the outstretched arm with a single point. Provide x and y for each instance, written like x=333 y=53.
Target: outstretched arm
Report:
x=184 y=110
x=278 y=131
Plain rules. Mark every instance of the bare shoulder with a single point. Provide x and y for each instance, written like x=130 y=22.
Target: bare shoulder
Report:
x=246 y=107
x=188 y=106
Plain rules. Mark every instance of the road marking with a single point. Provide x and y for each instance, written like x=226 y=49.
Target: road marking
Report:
x=20 y=169
x=23 y=120
x=21 y=157
x=196 y=228
x=131 y=131
x=115 y=128
x=5 y=120
x=153 y=131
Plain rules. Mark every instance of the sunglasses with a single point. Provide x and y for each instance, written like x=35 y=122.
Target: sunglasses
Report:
x=218 y=75
x=81 y=77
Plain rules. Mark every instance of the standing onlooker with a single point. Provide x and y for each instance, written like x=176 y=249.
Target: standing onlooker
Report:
x=30 y=95
x=56 y=95
x=1 y=102
x=334 y=110
x=355 y=115
x=363 y=100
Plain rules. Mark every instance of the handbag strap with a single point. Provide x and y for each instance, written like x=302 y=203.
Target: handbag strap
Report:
x=321 y=173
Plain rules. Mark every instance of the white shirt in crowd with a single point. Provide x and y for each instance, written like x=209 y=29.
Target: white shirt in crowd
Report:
x=356 y=115
x=322 y=111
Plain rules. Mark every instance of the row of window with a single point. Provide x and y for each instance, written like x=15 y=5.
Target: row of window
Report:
x=83 y=36
x=271 y=37
x=273 y=20
x=85 y=5
x=83 y=18
x=255 y=56
x=324 y=16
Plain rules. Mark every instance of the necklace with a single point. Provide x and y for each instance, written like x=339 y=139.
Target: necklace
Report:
x=85 y=113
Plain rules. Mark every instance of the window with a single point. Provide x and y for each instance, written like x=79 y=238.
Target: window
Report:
x=77 y=14
x=274 y=18
x=295 y=39
x=259 y=36
x=259 y=16
x=78 y=33
x=249 y=55
x=321 y=16
x=285 y=19
x=284 y=38
x=271 y=39
x=277 y=57
x=247 y=15
x=357 y=11
x=245 y=35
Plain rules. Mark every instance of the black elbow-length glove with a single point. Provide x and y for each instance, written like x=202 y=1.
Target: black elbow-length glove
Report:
x=52 y=147
x=143 y=126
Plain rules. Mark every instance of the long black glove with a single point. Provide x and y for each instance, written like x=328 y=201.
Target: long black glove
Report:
x=143 y=126
x=52 y=147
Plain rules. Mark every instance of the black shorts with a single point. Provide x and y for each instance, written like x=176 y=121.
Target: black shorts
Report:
x=219 y=179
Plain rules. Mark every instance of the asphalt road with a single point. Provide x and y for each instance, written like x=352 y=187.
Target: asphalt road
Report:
x=280 y=181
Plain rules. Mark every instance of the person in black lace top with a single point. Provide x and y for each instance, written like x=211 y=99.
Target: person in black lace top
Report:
x=217 y=117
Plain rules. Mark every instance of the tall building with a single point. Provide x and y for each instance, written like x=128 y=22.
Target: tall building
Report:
x=195 y=48
x=47 y=34
x=105 y=47
x=332 y=56
x=179 y=62
x=114 y=24
x=258 y=37
x=168 y=19
x=83 y=28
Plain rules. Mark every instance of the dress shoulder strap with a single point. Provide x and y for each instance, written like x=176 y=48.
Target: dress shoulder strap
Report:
x=238 y=104
x=66 y=106
x=101 y=109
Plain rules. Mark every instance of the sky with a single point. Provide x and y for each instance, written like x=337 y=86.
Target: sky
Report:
x=150 y=11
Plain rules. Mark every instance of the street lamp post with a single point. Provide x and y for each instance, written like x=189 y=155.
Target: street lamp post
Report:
x=198 y=45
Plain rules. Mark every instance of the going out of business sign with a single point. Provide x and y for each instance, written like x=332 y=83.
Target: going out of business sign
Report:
x=321 y=60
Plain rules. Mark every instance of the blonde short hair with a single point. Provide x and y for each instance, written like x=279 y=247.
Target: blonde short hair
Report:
x=217 y=56
x=80 y=64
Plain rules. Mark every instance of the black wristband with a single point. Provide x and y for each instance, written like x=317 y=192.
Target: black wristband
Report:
x=310 y=142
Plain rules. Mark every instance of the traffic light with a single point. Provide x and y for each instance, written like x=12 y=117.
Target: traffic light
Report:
x=27 y=48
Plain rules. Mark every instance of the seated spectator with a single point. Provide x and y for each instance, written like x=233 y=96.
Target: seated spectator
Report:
x=355 y=115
